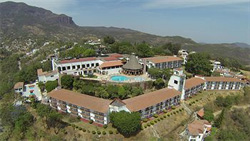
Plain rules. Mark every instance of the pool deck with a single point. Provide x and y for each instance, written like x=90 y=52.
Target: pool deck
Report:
x=36 y=91
x=143 y=78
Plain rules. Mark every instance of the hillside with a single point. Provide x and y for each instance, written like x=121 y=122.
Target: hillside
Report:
x=24 y=27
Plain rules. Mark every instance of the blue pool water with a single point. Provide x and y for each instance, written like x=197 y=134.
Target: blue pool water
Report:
x=119 y=78
x=30 y=87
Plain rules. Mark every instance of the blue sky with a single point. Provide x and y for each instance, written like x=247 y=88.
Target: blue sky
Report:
x=209 y=21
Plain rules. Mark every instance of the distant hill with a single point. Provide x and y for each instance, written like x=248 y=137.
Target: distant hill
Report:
x=244 y=45
x=23 y=27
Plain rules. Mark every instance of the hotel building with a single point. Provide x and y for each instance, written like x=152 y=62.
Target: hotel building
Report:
x=163 y=62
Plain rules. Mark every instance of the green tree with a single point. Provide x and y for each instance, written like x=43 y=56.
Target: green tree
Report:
x=109 y=40
x=67 y=81
x=144 y=50
x=51 y=85
x=198 y=63
x=208 y=115
x=219 y=120
x=159 y=83
x=122 y=92
x=126 y=123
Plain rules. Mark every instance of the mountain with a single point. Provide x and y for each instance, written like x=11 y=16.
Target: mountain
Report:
x=24 y=27
x=243 y=45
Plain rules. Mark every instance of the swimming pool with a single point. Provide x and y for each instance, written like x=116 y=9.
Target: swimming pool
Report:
x=119 y=78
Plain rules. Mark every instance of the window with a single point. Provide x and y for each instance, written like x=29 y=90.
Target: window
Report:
x=175 y=81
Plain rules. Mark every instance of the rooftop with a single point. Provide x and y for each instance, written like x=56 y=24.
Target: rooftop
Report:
x=161 y=59
x=222 y=79
x=132 y=63
x=83 y=100
x=78 y=60
x=111 y=64
x=19 y=85
x=40 y=72
x=197 y=127
x=149 y=99
x=192 y=82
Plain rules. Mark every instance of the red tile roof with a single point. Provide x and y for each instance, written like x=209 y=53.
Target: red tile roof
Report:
x=161 y=59
x=116 y=55
x=111 y=64
x=78 y=60
x=82 y=100
x=19 y=85
x=110 y=58
x=192 y=82
x=150 y=99
x=200 y=113
x=222 y=79
x=197 y=127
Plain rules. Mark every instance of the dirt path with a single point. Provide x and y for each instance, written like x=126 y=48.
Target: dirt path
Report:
x=233 y=107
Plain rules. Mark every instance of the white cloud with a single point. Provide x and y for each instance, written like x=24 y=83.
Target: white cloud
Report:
x=154 y=4
x=56 y=6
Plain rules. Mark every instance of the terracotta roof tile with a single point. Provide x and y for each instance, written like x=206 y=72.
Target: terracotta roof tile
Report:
x=197 y=127
x=161 y=59
x=111 y=64
x=78 y=60
x=18 y=85
x=192 y=82
x=222 y=79
x=83 y=100
x=200 y=113
x=146 y=100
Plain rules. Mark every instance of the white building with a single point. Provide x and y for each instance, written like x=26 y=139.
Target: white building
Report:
x=198 y=130
x=19 y=87
x=223 y=83
x=89 y=65
x=216 y=65
x=162 y=62
x=183 y=54
x=110 y=67
x=177 y=81
x=47 y=76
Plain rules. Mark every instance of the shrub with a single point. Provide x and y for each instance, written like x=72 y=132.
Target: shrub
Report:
x=164 y=116
x=173 y=107
x=73 y=125
x=116 y=132
x=190 y=104
x=104 y=132
x=80 y=128
x=64 y=131
x=145 y=126
x=91 y=121
x=77 y=127
x=93 y=132
x=177 y=111
x=110 y=132
x=155 y=116
x=98 y=132
x=152 y=123
x=105 y=126
x=155 y=121
x=148 y=124
x=158 y=119
x=168 y=115
x=88 y=131
x=197 y=100
x=174 y=112
x=145 y=120
x=161 y=118
x=164 y=111
x=84 y=130
x=180 y=110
